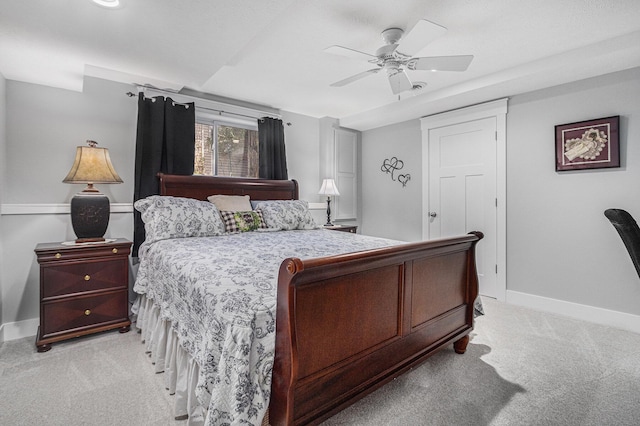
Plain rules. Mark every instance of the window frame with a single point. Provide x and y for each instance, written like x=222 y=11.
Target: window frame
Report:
x=215 y=120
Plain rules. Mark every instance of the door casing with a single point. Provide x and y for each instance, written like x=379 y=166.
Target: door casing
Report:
x=497 y=109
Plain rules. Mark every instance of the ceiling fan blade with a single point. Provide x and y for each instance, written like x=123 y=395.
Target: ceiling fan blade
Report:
x=400 y=82
x=441 y=63
x=350 y=53
x=423 y=33
x=355 y=77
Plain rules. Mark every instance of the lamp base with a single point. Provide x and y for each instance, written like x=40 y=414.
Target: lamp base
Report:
x=328 y=212
x=90 y=212
x=89 y=240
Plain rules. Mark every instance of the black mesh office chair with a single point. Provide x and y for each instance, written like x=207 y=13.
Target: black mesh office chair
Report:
x=629 y=232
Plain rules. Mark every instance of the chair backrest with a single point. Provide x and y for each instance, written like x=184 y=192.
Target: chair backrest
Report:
x=629 y=232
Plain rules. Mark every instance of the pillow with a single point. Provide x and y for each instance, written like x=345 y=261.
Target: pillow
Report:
x=232 y=203
x=167 y=217
x=242 y=221
x=287 y=214
x=254 y=203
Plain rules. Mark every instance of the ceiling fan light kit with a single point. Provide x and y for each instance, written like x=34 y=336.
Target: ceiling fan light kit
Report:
x=111 y=4
x=396 y=56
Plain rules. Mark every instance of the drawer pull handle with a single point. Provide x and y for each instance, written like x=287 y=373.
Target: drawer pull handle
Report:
x=87 y=312
x=114 y=251
x=58 y=256
x=87 y=277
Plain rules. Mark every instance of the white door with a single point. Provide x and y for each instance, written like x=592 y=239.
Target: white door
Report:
x=462 y=190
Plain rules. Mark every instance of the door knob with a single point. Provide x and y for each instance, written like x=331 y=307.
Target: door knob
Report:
x=433 y=214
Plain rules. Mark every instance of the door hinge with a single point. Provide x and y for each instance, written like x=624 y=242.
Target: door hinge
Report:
x=496 y=268
x=496 y=135
x=496 y=202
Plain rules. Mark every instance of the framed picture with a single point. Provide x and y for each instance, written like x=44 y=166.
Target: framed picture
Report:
x=591 y=144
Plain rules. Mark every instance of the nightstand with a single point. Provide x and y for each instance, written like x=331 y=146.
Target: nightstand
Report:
x=344 y=228
x=84 y=289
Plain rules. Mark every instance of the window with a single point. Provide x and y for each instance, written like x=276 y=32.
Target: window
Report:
x=226 y=148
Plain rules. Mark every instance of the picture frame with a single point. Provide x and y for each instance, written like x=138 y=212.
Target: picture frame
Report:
x=589 y=144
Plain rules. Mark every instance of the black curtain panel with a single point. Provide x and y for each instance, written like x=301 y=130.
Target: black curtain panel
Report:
x=273 y=158
x=165 y=142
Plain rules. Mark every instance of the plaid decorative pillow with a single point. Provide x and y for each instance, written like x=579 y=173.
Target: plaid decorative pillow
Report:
x=242 y=221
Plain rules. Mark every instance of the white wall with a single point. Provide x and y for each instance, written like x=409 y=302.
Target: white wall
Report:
x=3 y=156
x=562 y=254
x=44 y=125
x=388 y=209
x=559 y=244
x=302 y=140
x=560 y=249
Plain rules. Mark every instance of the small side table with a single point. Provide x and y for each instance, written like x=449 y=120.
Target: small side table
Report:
x=84 y=289
x=344 y=228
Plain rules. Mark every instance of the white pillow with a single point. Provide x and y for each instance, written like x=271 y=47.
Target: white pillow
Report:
x=167 y=217
x=233 y=203
x=286 y=214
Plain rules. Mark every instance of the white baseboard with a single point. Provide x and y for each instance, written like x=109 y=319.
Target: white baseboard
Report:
x=19 y=329
x=593 y=314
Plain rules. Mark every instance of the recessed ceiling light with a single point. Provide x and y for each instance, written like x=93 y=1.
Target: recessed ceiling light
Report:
x=107 y=3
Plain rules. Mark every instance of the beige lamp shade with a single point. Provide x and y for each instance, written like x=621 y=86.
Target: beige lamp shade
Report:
x=92 y=165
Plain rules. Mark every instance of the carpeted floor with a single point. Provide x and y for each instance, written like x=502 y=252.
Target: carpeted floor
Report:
x=522 y=367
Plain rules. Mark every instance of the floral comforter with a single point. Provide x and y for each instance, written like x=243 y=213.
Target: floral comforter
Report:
x=219 y=293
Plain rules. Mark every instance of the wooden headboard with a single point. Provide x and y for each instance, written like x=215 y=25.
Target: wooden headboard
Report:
x=200 y=187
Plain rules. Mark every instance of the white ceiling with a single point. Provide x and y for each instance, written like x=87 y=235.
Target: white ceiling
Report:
x=270 y=52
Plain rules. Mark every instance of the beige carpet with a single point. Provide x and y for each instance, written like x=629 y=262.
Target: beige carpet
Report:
x=522 y=367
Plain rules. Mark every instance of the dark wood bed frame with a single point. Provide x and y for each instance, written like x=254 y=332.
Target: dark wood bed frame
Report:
x=349 y=323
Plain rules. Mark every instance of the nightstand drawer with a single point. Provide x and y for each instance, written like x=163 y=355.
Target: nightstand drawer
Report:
x=78 y=313
x=52 y=252
x=74 y=278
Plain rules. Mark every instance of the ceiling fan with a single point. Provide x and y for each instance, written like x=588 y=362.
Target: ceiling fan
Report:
x=396 y=56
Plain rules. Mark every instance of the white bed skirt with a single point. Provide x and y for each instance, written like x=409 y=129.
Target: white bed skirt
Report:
x=168 y=357
x=179 y=368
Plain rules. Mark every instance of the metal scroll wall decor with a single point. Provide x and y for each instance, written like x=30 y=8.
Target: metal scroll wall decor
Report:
x=391 y=165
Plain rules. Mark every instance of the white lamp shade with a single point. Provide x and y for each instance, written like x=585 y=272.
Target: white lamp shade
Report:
x=328 y=188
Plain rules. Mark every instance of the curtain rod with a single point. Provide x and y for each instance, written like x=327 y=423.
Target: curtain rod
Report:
x=219 y=111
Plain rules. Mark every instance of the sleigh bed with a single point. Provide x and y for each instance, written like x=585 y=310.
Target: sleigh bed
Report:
x=345 y=324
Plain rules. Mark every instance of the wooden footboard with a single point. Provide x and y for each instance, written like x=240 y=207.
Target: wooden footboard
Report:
x=348 y=324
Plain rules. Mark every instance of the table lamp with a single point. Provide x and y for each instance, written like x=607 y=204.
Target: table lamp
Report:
x=328 y=188
x=90 y=208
